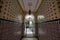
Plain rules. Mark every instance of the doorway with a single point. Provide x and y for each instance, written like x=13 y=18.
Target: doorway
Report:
x=29 y=26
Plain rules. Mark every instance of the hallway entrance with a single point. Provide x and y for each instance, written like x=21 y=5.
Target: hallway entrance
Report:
x=29 y=26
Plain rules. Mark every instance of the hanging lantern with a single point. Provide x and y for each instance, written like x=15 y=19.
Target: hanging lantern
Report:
x=29 y=12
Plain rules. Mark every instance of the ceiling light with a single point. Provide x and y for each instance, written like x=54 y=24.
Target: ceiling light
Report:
x=29 y=12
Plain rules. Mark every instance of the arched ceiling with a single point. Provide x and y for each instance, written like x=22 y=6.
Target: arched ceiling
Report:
x=33 y=5
x=30 y=4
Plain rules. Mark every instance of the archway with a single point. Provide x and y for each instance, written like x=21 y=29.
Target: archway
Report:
x=29 y=25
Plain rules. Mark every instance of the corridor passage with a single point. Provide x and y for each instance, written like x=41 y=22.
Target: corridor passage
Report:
x=29 y=19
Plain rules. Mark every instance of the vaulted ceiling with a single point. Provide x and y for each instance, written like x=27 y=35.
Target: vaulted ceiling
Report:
x=30 y=4
x=33 y=5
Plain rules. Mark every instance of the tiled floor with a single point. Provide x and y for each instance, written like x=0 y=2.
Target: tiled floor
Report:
x=29 y=39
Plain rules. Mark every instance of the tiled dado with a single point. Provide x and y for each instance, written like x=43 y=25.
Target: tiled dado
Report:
x=49 y=30
x=10 y=30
